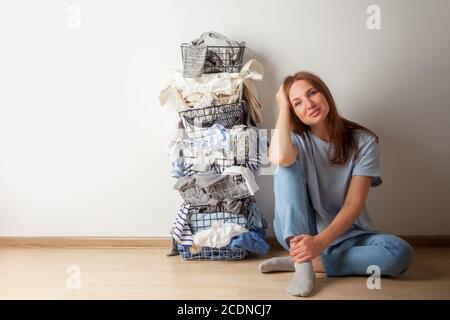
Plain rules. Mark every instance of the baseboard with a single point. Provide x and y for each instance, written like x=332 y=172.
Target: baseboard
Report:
x=431 y=240
x=164 y=242
x=95 y=242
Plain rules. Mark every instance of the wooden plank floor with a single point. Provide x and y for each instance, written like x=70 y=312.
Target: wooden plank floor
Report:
x=141 y=273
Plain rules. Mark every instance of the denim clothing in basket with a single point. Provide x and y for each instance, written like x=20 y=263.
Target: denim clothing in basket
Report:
x=252 y=241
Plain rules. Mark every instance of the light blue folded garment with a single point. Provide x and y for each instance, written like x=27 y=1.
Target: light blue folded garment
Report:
x=251 y=241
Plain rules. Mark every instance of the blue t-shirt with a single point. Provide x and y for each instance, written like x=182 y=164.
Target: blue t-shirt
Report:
x=328 y=184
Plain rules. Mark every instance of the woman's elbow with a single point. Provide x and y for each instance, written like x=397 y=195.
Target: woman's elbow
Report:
x=283 y=160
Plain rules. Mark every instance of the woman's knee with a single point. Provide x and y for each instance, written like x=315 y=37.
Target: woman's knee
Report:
x=286 y=172
x=288 y=179
x=400 y=256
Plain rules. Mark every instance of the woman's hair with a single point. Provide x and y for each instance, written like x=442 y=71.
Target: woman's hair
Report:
x=340 y=129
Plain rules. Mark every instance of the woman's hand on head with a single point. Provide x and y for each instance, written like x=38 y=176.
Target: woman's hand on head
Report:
x=305 y=248
x=281 y=98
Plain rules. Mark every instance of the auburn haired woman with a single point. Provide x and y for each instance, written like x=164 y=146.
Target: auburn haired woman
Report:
x=325 y=167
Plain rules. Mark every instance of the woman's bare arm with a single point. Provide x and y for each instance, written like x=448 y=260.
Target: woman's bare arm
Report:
x=350 y=211
x=282 y=151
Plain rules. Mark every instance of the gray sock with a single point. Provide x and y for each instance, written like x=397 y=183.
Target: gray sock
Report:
x=302 y=283
x=277 y=264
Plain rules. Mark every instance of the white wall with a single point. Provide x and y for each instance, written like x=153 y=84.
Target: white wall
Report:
x=81 y=129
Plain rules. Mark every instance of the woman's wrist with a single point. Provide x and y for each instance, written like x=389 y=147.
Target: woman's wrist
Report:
x=323 y=240
x=283 y=107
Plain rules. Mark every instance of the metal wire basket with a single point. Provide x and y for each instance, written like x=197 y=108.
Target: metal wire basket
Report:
x=231 y=187
x=241 y=149
x=211 y=59
x=196 y=122
x=201 y=221
x=207 y=253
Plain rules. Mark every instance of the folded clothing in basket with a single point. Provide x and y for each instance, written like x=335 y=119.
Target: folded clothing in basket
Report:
x=193 y=220
x=211 y=52
x=197 y=122
x=215 y=137
x=182 y=169
x=241 y=145
x=252 y=241
x=214 y=89
x=209 y=187
x=243 y=212
x=215 y=39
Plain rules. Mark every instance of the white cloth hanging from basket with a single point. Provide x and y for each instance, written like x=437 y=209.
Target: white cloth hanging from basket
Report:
x=219 y=235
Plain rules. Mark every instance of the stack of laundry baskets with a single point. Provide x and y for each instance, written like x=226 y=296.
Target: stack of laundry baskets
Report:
x=216 y=151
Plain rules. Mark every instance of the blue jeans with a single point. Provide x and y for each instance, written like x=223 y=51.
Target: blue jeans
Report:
x=294 y=215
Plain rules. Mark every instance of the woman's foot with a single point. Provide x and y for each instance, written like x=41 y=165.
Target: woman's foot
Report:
x=302 y=283
x=303 y=280
x=280 y=264
x=277 y=264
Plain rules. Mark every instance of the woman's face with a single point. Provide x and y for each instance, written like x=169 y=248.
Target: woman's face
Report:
x=309 y=105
